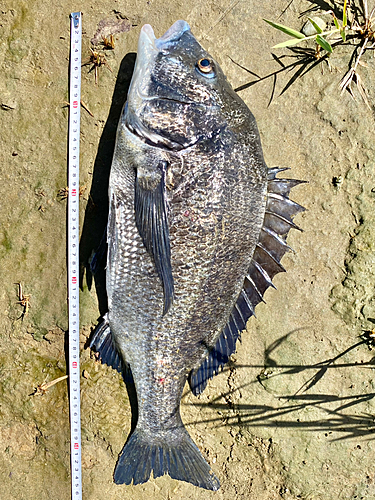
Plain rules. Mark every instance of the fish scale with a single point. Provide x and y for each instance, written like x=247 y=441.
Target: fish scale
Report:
x=197 y=228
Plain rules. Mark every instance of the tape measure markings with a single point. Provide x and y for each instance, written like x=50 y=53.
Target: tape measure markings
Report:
x=73 y=253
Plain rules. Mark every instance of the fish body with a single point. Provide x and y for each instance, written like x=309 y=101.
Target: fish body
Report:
x=189 y=195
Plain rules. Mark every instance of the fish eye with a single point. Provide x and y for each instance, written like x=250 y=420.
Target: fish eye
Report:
x=206 y=67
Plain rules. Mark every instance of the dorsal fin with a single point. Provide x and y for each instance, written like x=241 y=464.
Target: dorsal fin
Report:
x=265 y=264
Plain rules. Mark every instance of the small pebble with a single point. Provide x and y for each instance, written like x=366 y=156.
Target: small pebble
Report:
x=309 y=30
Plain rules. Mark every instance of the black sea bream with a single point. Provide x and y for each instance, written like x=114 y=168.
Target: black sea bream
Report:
x=197 y=227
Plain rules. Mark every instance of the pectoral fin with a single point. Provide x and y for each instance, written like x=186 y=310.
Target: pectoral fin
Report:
x=152 y=223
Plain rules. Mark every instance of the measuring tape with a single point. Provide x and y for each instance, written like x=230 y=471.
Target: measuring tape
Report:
x=73 y=252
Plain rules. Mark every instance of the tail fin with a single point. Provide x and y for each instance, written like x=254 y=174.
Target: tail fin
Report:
x=175 y=454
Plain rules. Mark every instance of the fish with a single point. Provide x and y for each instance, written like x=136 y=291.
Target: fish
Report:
x=196 y=230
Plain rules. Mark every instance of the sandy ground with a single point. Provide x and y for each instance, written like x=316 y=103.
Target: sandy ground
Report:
x=293 y=416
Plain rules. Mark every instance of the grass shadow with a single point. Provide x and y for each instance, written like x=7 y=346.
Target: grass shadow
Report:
x=285 y=413
x=350 y=425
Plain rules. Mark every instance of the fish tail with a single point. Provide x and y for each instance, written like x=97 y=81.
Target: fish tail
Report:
x=172 y=453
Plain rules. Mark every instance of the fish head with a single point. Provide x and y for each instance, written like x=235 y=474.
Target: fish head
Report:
x=178 y=95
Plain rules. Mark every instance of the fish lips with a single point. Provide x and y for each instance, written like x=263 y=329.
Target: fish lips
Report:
x=173 y=34
x=148 y=49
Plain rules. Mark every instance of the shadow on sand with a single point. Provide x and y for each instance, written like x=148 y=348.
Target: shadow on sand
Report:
x=335 y=407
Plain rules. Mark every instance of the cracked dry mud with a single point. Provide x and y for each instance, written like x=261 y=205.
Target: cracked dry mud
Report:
x=292 y=417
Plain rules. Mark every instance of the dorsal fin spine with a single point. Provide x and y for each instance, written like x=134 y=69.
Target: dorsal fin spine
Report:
x=232 y=317
x=282 y=268
x=277 y=238
x=264 y=274
x=249 y=278
x=248 y=303
x=272 y=172
x=285 y=199
x=240 y=313
x=287 y=221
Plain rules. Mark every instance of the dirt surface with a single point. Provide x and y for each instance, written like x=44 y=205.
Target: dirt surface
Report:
x=293 y=416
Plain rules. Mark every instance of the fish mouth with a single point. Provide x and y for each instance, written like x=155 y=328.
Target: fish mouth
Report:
x=148 y=49
x=148 y=41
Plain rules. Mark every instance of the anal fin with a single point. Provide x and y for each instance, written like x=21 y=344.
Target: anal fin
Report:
x=217 y=357
x=102 y=343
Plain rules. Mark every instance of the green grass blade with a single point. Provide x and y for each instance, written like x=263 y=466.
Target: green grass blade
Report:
x=285 y=29
x=293 y=41
x=343 y=35
x=323 y=43
x=318 y=29
x=288 y=43
x=336 y=22
x=344 y=17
